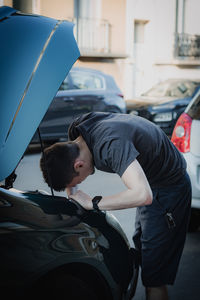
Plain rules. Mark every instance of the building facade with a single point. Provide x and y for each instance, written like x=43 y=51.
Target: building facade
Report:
x=163 y=42
x=139 y=42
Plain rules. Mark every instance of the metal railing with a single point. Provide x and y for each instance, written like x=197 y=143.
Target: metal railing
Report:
x=187 y=46
x=92 y=35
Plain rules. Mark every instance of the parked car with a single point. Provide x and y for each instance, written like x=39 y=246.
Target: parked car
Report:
x=50 y=245
x=186 y=138
x=164 y=102
x=82 y=91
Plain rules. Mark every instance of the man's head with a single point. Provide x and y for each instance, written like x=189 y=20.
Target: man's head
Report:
x=66 y=164
x=58 y=164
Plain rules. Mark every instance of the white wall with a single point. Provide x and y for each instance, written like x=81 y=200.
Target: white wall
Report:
x=154 y=59
x=192 y=19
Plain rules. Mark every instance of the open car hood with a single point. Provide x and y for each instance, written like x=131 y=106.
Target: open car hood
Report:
x=36 y=54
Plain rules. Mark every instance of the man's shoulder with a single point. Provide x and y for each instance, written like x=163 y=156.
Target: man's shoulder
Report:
x=91 y=117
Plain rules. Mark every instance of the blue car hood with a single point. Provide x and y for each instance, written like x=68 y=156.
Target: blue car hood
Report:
x=36 y=54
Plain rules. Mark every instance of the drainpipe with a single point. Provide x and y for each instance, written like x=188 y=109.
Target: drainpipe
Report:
x=176 y=20
x=183 y=17
x=76 y=15
x=176 y=31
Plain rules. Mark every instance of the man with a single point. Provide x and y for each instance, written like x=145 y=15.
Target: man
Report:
x=154 y=173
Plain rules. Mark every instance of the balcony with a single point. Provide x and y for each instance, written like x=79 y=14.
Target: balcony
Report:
x=94 y=38
x=187 y=49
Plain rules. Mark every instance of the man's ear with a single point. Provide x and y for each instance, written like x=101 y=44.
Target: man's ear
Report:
x=78 y=164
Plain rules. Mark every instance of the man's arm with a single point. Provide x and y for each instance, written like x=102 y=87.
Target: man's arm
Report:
x=138 y=192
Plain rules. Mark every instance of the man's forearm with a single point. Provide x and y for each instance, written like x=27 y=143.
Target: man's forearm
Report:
x=126 y=199
x=123 y=200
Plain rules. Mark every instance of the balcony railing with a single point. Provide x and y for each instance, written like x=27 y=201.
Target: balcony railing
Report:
x=92 y=35
x=187 y=46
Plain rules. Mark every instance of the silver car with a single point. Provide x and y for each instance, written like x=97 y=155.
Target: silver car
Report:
x=186 y=138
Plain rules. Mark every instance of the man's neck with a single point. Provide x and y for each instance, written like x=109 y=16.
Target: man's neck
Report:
x=84 y=150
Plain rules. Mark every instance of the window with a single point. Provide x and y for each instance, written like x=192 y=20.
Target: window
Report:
x=139 y=32
x=182 y=89
x=65 y=85
x=26 y=6
x=86 y=81
x=82 y=81
x=159 y=90
x=172 y=89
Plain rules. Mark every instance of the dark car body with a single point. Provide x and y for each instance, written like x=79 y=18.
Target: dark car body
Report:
x=164 y=102
x=50 y=245
x=83 y=90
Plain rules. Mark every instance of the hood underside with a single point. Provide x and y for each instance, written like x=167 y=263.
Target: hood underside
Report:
x=36 y=54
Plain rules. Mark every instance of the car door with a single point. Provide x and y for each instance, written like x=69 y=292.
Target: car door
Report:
x=80 y=92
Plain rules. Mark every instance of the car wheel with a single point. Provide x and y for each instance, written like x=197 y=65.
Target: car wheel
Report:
x=65 y=286
x=194 y=220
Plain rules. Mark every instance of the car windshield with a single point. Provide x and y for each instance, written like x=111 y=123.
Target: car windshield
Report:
x=194 y=110
x=82 y=80
x=179 y=89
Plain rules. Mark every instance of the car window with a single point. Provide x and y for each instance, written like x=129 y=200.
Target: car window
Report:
x=86 y=81
x=158 y=90
x=182 y=89
x=194 y=109
x=65 y=84
x=177 y=89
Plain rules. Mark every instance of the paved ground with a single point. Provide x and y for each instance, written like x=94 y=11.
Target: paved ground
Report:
x=187 y=285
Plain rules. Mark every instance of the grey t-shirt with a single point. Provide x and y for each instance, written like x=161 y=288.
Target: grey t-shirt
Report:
x=116 y=140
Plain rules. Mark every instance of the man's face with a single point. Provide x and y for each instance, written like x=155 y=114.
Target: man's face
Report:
x=77 y=180
x=84 y=172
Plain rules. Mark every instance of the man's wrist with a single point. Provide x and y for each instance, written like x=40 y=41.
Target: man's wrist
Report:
x=95 y=202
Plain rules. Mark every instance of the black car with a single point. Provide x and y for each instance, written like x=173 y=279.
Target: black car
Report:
x=83 y=90
x=50 y=246
x=164 y=103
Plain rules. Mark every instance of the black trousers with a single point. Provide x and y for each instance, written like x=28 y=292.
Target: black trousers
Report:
x=159 y=239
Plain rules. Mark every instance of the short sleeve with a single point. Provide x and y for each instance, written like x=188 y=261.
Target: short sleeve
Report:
x=73 y=130
x=117 y=155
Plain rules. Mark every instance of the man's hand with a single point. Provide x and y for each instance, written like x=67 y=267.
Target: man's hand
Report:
x=83 y=199
x=138 y=192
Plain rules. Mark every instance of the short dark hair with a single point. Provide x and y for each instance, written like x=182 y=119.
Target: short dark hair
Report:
x=57 y=164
